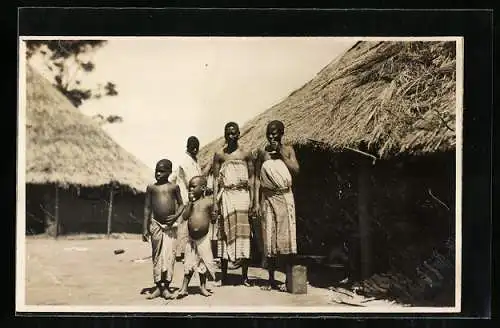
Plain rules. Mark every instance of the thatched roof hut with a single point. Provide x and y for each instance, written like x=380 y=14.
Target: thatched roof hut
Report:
x=393 y=101
x=387 y=97
x=65 y=147
x=78 y=179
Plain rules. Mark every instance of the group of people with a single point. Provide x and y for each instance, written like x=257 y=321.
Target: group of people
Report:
x=249 y=190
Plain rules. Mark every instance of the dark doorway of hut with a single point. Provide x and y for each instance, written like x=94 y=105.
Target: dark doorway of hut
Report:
x=376 y=224
x=42 y=209
x=332 y=196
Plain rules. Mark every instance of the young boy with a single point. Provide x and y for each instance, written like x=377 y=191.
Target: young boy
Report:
x=162 y=208
x=198 y=253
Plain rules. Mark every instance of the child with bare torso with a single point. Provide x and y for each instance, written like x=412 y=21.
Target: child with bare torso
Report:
x=163 y=206
x=198 y=252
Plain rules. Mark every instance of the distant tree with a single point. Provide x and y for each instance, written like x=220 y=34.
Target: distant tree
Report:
x=100 y=119
x=66 y=59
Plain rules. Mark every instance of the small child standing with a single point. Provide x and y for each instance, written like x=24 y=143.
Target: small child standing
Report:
x=163 y=206
x=198 y=253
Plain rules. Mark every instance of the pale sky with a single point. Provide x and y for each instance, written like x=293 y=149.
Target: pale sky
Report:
x=172 y=88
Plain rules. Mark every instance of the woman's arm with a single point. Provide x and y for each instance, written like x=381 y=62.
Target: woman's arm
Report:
x=290 y=160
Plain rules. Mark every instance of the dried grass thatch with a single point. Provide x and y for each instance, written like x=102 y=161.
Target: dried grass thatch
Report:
x=65 y=147
x=432 y=281
x=393 y=97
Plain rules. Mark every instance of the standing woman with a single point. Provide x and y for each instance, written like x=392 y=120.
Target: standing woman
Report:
x=233 y=172
x=274 y=202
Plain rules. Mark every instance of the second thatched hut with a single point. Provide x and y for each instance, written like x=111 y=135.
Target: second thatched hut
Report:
x=78 y=180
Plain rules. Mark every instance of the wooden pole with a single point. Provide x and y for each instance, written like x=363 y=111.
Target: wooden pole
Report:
x=46 y=206
x=56 y=210
x=110 y=211
x=364 y=184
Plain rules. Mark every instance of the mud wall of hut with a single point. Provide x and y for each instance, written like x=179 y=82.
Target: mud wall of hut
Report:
x=82 y=210
x=412 y=207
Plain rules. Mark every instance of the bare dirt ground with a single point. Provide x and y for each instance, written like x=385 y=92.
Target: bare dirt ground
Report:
x=88 y=272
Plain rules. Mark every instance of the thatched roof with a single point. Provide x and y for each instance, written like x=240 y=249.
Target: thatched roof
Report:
x=391 y=97
x=65 y=147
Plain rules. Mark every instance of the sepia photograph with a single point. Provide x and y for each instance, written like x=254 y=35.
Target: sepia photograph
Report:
x=239 y=174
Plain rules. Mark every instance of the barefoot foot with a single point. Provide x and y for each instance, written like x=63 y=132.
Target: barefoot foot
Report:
x=182 y=294
x=205 y=292
x=282 y=288
x=270 y=286
x=156 y=293
x=220 y=283
x=167 y=295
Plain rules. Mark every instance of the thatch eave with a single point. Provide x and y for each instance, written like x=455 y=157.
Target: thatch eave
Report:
x=394 y=98
x=66 y=185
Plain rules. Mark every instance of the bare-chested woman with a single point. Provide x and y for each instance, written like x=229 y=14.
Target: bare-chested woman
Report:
x=233 y=200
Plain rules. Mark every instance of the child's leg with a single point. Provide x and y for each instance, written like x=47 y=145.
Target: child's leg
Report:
x=203 y=285
x=156 y=254
x=183 y=292
x=168 y=275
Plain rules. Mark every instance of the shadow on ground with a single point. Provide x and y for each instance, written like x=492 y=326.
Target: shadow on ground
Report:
x=192 y=290
x=324 y=276
x=317 y=276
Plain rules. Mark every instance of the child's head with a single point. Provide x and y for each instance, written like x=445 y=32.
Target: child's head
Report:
x=163 y=170
x=193 y=145
x=197 y=187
